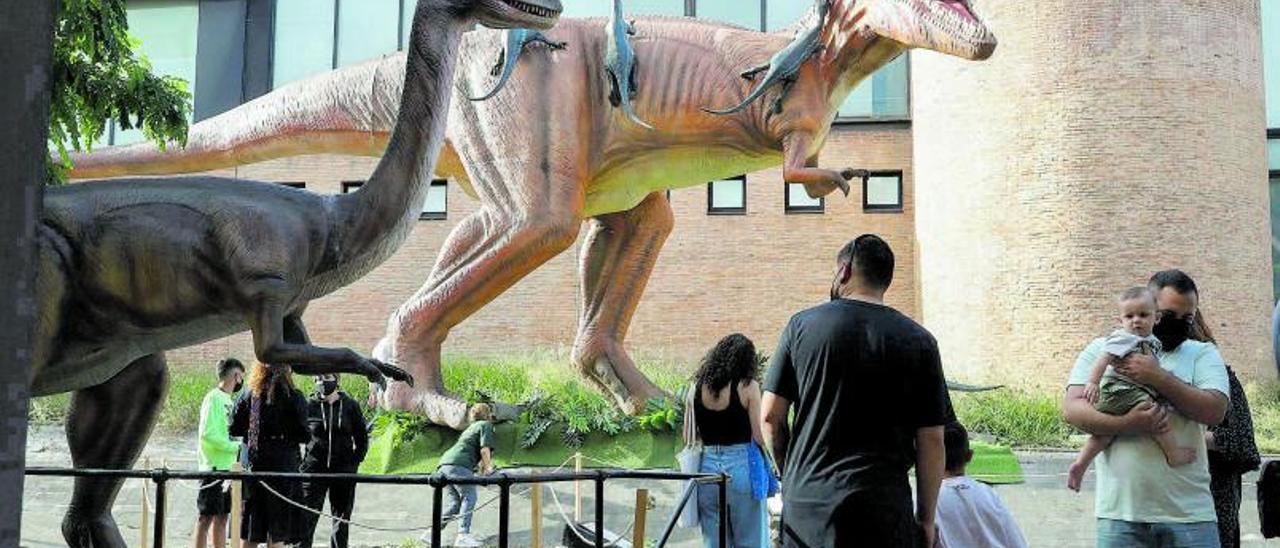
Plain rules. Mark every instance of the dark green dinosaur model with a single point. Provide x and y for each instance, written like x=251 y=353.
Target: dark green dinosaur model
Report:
x=784 y=67
x=517 y=39
x=620 y=64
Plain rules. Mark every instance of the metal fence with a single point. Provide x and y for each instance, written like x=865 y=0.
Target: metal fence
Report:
x=503 y=480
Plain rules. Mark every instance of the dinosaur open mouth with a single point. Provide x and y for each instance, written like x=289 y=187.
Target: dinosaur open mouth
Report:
x=531 y=9
x=961 y=7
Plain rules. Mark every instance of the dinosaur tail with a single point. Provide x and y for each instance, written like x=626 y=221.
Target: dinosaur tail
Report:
x=508 y=68
x=346 y=111
x=629 y=109
x=755 y=94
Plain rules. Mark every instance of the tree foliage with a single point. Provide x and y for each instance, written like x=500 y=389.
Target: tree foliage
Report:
x=98 y=76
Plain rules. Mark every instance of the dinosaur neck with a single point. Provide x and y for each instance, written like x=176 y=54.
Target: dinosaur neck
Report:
x=851 y=52
x=380 y=215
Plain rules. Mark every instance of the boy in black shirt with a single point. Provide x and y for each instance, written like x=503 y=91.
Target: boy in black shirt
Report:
x=339 y=441
x=870 y=402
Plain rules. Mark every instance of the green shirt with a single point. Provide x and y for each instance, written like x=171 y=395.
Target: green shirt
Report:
x=1134 y=483
x=217 y=450
x=466 y=452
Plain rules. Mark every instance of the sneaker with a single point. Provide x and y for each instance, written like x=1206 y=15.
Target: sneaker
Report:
x=465 y=540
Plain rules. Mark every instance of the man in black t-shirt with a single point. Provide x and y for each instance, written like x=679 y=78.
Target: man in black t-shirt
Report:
x=870 y=402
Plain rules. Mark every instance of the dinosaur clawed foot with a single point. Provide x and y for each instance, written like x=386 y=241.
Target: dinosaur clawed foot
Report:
x=612 y=379
x=435 y=404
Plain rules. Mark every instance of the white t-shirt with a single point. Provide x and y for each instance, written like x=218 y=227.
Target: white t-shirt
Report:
x=971 y=515
x=1134 y=482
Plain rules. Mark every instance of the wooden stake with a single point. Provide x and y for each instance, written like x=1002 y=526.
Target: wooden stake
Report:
x=535 y=514
x=236 y=498
x=145 y=528
x=642 y=511
x=577 y=489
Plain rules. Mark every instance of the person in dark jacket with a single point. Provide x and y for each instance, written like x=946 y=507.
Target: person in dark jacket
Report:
x=339 y=442
x=271 y=417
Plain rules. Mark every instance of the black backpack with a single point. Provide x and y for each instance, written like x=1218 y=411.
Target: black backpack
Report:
x=1269 y=499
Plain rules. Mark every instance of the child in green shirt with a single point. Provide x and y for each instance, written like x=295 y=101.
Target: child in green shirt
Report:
x=473 y=449
x=217 y=452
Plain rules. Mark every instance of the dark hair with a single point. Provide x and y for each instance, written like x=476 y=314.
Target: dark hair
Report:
x=226 y=366
x=1177 y=279
x=1139 y=292
x=871 y=259
x=1182 y=283
x=732 y=359
x=956 y=441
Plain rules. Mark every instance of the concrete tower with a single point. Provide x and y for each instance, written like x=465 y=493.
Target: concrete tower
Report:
x=1103 y=141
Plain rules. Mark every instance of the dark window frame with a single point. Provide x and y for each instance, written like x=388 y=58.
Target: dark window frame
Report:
x=437 y=215
x=883 y=208
x=300 y=185
x=712 y=210
x=801 y=209
x=351 y=186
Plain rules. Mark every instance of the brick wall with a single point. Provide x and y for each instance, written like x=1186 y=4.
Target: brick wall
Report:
x=1103 y=141
x=716 y=275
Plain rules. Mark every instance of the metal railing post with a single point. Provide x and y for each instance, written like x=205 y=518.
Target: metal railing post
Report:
x=600 y=509
x=504 y=511
x=437 y=502
x=724 y=509
x=161 y=479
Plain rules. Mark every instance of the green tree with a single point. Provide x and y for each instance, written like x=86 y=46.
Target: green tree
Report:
x=99 y=76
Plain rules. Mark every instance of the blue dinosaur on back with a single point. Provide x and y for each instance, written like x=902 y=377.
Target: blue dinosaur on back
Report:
x=784 y=67
x=620 y=64
x=517 y=39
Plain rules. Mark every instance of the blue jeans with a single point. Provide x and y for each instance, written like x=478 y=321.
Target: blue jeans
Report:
x=460 y=498
x=746 y=514
x=1128 y=534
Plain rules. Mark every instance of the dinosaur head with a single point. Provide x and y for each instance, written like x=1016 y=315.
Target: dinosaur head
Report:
x=945 y=26
x=504 y=14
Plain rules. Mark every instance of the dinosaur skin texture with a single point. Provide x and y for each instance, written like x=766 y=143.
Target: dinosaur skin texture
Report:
x=550 y=152
x=128 y=269
x=517 y=39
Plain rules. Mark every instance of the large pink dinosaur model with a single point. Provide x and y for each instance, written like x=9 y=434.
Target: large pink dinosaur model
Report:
x=549 y=151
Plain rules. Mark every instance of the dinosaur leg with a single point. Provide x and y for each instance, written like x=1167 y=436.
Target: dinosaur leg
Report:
x=617 y=259
x=631 y=81
x=497 y=67
x=107 y=428
x=486 y=254
x=751 y=73
x=800 y=166
x=553 y=45
x=615 y=89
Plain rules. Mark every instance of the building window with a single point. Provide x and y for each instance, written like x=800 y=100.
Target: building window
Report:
x=1275 y=230
x=351 y=186
x=736 y=12
x=727 y=196
x=883 y=95
x=780 y=14
x=798 y=200
x=882 y=192
x=1273 y=150
x=436 y=206
x=604 y=8
x=294 y=184
x=167 y=33
x=366 y=29
x=303 y=44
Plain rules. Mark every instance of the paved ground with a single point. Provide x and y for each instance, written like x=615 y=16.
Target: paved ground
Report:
x=1048 y=513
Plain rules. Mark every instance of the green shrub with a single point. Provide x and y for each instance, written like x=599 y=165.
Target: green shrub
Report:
x=1014 y=417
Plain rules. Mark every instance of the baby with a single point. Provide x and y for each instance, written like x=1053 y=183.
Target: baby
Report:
x=1115 y=394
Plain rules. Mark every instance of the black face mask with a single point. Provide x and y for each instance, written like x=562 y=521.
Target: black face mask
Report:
x=238 y=387
x=328 y=387
x=1171 y=331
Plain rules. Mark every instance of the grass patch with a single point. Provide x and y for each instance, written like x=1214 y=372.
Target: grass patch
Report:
x=1015 y=417
x=1264 y=405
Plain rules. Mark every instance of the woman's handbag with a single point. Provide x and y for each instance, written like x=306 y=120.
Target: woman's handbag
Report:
x=690 y=459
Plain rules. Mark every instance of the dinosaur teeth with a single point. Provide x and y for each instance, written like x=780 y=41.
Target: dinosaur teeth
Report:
x=530 y=8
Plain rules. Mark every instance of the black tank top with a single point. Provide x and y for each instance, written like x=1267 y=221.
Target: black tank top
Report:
x=729 y=426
